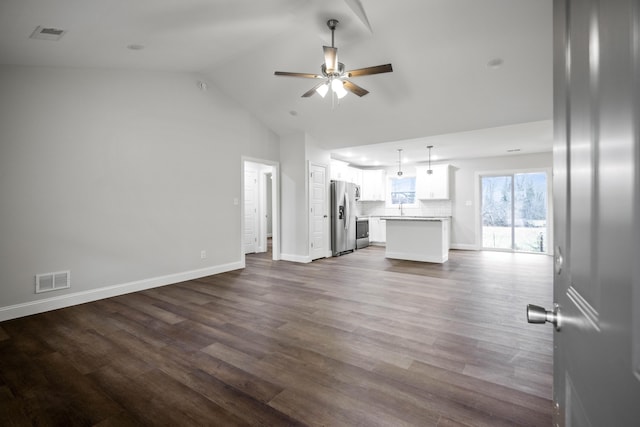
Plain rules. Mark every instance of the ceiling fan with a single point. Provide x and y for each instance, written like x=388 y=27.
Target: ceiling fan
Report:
x=333 y=74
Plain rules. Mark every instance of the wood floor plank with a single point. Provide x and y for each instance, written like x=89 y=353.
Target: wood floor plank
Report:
x=351 y=340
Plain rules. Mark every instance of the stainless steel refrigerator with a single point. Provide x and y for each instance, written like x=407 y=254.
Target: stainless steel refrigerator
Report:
x=343 y=217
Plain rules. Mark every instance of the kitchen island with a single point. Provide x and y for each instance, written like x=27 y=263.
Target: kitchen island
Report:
x=414 y=238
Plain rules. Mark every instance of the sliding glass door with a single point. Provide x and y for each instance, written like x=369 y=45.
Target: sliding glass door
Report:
x=515 y=211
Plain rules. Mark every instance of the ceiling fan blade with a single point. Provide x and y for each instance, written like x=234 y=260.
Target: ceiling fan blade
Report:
x=354 y=88
x=378 y=69
x=304 y=75
x=330 y=58
x=312 y=91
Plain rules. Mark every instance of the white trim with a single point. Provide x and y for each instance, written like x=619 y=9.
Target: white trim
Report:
x=68 y=300
x=326 y=242
x=296 y=258
x=464 y=247
x=275 y=204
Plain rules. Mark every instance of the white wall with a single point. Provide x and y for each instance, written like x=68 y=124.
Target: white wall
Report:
x=296 y=150
x=464 y=185
x=294 y=217
x=122 y=177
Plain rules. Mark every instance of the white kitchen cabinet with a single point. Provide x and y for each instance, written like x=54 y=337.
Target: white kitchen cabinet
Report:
x=377 y=230
x=374 y=185
x=354 y=175
x=341 y=171
x=433 y=186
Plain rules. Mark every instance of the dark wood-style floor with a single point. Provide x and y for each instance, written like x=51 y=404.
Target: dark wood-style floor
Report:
x=354 y=340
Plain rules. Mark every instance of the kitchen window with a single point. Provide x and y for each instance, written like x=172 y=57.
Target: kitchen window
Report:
x=402 y=191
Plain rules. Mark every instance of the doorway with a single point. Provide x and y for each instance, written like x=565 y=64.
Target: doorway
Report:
x=260 y=213
x=514 y=212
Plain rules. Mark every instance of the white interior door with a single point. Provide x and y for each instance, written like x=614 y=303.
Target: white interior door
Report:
x=251 y=205
x=596 y=187
x=318 y=212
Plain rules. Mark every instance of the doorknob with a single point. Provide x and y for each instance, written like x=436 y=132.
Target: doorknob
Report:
x=537 y=314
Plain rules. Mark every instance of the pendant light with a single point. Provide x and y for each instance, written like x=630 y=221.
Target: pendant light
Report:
x=399 y=161
x=429 y=171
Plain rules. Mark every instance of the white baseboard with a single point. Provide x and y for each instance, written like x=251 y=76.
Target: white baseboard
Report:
x=295 y=258
x=62 y=301
x=464 y=247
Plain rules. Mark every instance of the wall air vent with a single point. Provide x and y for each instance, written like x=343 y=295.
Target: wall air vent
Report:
x=47 y=33
x=53 y=281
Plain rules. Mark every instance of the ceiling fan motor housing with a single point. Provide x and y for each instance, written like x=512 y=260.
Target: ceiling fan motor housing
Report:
x=337 y=73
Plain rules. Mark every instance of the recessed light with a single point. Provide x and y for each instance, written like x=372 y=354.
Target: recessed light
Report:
x=495 y=63
x=135 y=47
x=513 y=150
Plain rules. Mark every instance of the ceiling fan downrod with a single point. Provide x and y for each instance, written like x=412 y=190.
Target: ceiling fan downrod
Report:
x=332 y=24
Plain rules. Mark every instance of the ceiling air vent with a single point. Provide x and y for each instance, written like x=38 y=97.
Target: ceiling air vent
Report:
x=45 y=33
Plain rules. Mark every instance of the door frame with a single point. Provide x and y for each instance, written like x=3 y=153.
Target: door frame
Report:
x=327 y=192
x=478 y=206
x=254 y=200
x=275 y=204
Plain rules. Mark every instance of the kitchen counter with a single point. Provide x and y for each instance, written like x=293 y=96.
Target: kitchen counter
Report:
x=423 y=239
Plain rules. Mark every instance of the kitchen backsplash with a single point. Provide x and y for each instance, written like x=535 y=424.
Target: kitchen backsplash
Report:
x=437 y=208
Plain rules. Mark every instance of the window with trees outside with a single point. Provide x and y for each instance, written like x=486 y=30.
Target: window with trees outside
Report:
x=402 y=191
x=514 y=212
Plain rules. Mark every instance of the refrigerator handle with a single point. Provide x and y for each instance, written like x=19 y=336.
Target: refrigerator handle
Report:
x=347 y=212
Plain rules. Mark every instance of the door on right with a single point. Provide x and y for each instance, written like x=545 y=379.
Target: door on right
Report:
x=596 y=216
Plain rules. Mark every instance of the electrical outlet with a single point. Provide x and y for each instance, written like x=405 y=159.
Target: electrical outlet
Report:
x=203 y=254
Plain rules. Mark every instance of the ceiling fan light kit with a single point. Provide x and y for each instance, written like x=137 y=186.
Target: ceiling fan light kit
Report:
x=333 y=73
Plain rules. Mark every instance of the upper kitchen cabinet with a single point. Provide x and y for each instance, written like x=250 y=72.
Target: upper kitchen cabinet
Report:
x=433 y=186
x=355 y=175
x=341 y=171
x=374 y=185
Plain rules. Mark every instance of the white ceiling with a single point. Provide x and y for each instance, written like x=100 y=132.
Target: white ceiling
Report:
x=441 y=92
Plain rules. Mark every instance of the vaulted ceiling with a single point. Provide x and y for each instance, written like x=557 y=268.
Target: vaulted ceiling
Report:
x=474 y=72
